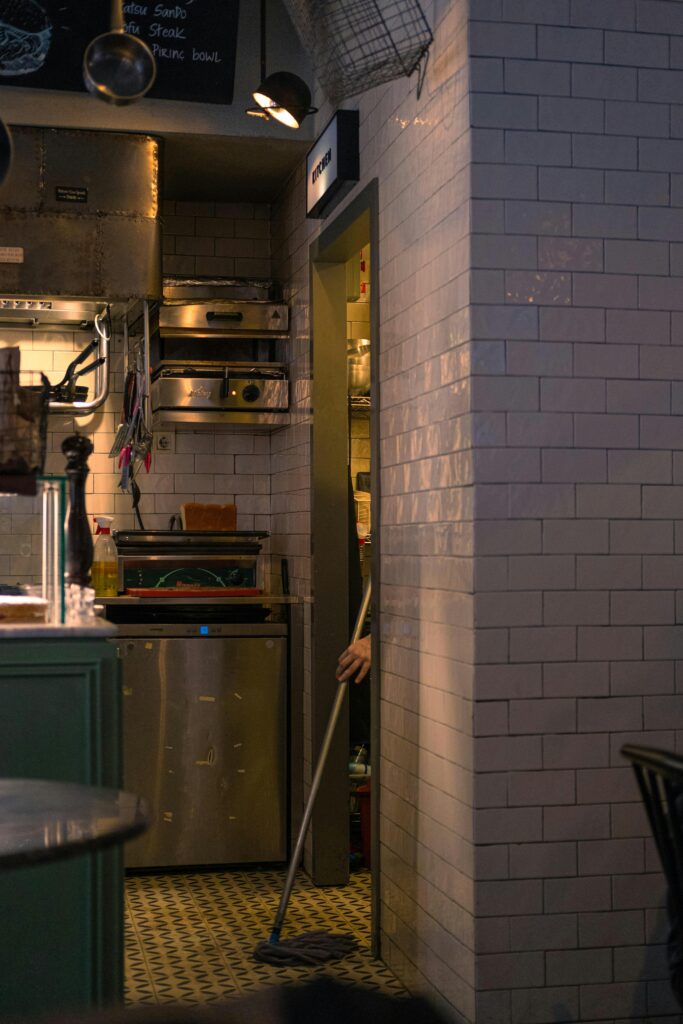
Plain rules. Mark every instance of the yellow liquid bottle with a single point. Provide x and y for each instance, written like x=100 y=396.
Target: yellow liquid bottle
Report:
x=105 y=579
x=105 y=568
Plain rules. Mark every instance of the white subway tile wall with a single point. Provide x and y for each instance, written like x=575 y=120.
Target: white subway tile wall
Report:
x=419 y=150
x=204 y=239
x=576 y=122
x=291 y=447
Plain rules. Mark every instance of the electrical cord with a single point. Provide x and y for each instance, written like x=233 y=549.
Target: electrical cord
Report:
x=136 y=495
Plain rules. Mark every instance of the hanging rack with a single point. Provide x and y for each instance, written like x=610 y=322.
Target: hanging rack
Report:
x=358 y=44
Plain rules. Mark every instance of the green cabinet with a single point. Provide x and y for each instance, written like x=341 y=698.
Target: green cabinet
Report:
x=61 y=937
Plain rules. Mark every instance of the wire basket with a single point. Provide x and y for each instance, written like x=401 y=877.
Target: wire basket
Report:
x=358 y=44
x=23 y=426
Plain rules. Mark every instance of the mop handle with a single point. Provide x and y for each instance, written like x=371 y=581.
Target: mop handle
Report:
x=318 y=774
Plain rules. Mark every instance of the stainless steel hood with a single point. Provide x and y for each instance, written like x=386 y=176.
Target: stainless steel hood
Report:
x=79 y=220
x=49 y=313
x=80 y=238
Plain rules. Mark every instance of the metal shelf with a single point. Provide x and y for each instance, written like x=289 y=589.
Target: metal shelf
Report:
x=254 y=421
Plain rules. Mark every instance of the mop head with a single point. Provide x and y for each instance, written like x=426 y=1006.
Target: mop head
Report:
x=309 y=950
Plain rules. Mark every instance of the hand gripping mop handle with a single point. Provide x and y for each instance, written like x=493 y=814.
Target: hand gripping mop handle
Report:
x=318 y=774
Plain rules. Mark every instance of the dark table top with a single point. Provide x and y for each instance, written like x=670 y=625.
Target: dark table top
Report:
x=41 y=820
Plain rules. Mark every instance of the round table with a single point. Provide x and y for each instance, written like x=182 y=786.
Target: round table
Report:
x=41 y=820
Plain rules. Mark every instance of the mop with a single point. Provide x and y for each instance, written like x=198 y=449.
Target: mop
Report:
x=313 y=947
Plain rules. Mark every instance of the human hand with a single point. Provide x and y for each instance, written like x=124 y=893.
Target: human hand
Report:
x=355 y=660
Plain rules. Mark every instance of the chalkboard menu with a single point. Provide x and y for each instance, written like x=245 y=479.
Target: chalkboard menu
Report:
x=194 y=41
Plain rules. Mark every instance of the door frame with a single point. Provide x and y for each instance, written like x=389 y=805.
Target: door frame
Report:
x=356 y=226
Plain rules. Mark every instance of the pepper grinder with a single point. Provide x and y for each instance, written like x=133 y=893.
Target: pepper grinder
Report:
x=79 y=545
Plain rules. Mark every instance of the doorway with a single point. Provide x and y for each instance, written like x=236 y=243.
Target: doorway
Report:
x=346 y=492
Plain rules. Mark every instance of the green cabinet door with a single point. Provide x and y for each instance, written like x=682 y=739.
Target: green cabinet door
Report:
x=61 y=932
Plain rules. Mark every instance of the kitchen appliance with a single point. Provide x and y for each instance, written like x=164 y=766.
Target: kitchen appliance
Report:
x=204 y=697
x=214 y=355
x=181 y=563
x=204 y=733
x=219 y=387
x=228 y=318
x=218 y=320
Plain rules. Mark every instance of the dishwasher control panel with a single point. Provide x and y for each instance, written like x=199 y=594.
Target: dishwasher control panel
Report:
x=200 y=629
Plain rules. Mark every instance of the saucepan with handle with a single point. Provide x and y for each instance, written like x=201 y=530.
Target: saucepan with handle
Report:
x=117 y=66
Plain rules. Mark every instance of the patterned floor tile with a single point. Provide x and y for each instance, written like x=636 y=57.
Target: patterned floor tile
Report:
x=190 y=938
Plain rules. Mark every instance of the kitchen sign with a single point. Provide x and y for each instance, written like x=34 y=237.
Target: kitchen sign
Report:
x=74 y=194
x=11 y=254
x=194 y=42
x=332 y=165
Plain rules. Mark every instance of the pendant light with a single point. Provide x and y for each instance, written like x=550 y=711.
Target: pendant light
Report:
x=282 y=96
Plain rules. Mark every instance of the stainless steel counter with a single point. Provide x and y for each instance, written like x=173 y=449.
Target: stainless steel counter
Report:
x=49 y=631
x=264 y=599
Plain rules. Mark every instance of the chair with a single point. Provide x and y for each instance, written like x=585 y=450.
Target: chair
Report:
x=660 y=779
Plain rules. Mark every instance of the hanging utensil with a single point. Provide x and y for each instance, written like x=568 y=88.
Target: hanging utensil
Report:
x=142 y=444
x=118 y=67
x=66 y=390
x=90 y=368
x=119 y=441
x=80 y=358
x=66 y=397
x=125 y=428
x=81 y=393
x=124 y=466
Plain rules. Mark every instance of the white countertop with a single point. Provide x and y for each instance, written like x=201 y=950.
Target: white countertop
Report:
x=48 y=631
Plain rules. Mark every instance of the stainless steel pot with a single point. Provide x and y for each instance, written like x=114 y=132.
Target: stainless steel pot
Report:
x=359 y=375
x=358 y=363
x=118 y=67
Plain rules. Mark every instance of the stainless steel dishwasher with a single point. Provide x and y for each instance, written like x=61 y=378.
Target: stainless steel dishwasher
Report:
x=205 y=727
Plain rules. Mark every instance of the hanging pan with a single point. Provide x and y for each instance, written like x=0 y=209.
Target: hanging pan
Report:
x=118 y=67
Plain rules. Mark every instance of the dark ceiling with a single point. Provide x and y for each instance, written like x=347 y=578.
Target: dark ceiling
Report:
x=228 y=169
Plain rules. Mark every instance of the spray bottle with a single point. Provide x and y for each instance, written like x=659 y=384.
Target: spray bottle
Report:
x=105 y=572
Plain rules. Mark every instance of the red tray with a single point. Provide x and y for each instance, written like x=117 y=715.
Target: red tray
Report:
x=195 y=592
